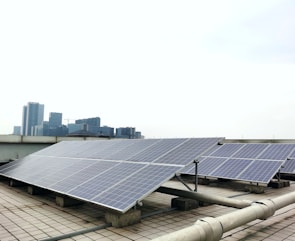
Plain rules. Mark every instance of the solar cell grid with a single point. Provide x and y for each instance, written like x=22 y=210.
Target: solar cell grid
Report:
x=277 y=151
x=14 y=164
x=227 y=150
x=136 y=147
x=24 y=169
x=208 y=165
x=56 y=170
x=60 y=149
x=88 y=170
x=129 y=191
x=117 y=147
x=231 y=168
x=289 y=166
x=260 y=171
x=104 y=181
x=85 y=174
x=250 y=150
x=188 y=151
x=99 y=148
x=155 y=151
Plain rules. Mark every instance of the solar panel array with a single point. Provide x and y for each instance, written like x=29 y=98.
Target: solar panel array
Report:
x=111 y=173
x=253 y=162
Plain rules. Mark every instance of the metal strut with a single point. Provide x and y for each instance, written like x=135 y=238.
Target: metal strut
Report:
x=196 y=174
x=180 y=179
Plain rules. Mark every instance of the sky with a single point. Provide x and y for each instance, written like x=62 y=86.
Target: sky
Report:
x=168 y=68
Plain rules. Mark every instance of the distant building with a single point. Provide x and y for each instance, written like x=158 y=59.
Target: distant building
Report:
x=126 y=132
x=55 y=119
x=33 y=115
x=95 y=121
x=53 y=127
x=34 y=125
x=16 y=130
x=75 y=127
x=89 y=125
x=106 y=131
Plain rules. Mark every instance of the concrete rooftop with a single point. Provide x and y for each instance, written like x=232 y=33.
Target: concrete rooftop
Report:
x=25 y=217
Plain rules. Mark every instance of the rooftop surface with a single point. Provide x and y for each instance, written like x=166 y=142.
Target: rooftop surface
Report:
x=27 y=217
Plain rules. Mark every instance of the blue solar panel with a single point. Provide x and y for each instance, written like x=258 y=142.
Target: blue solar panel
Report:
x=226 y=150
x=112 y=173
x=231 y=168
x=208 y=165
x=132 y=150
x=241 y=161
x=188 y=151
x=107 y=179
x=260 y=171
x=277 y=151
x=288 y=167
x=126 y=193
x=250 y=150
x=88 y=172
x=155 y=151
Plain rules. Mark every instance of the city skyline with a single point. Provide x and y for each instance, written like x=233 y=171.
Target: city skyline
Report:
x=34 y=124
x=170 y=68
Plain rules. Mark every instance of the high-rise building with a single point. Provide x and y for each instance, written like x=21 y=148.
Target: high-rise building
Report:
x=55 y=119
x=33 y=115
x=126 y=132
x=95 y=121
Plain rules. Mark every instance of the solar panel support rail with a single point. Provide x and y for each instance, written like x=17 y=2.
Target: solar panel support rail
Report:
x=196 y=161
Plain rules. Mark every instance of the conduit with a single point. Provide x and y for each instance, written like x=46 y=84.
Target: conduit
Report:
x=229 y=202
x=103 y=226
x=79 y=232
x=212 y=229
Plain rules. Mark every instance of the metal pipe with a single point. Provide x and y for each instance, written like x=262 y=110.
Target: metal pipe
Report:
x=79 y=232
x=229 y=202
x=212 y=229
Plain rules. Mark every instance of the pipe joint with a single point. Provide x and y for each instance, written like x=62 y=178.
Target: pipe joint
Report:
x=212 y=227
x=268 y=208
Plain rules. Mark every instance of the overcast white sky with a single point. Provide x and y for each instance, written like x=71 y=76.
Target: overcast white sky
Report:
x=169 y=68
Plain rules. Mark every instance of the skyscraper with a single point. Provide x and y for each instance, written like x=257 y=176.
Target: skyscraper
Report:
x=33 y=115
x=55 y=119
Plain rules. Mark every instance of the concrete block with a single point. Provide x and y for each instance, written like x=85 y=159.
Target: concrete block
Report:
x=203 y=181
x=64 y=201
x=255 y=189
x=119 y=220
x=15 y=183
x=36 y=190
x=184 y=204
x=279 y=184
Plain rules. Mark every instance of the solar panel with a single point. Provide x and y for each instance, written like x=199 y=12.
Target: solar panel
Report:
x=155 y=151
x=226 y=150
x=208 y=165
x=250 y=150
x=288 y=167
x=243 y=161
x=125 y=195
x=87 y=173
x=188 y=151
x=132 y=150
x=278 y=151
x=260 y=171
x=231 y=168
x=112 y=173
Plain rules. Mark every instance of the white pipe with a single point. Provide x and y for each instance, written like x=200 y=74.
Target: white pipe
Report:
x=225 y=201
x=212 y=229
